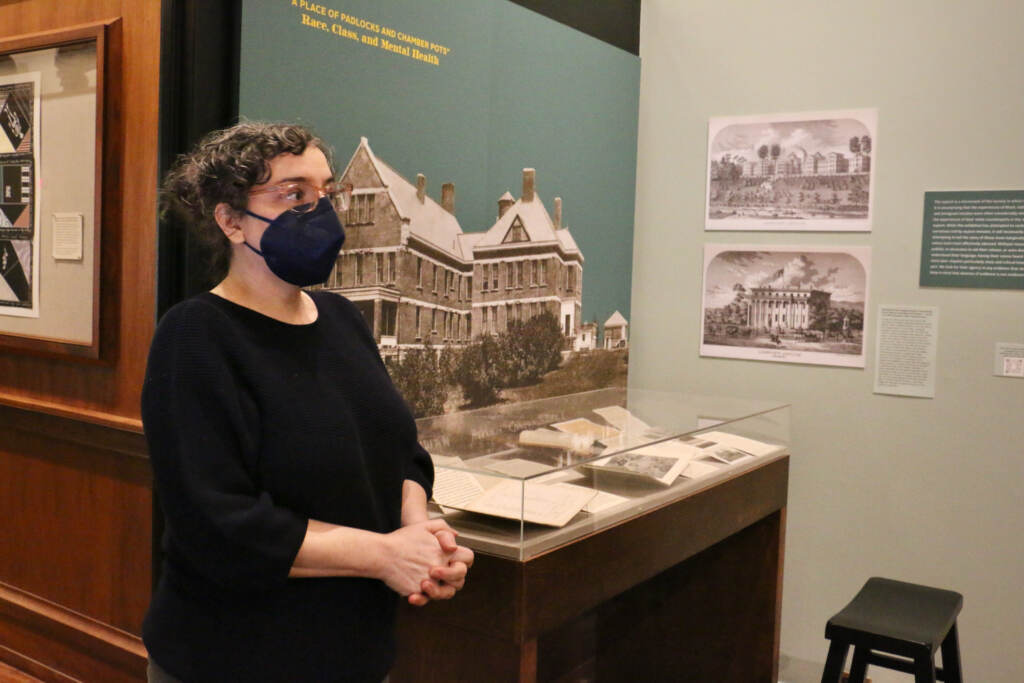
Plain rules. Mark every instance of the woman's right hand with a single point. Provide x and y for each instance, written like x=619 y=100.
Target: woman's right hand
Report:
x=409 y=553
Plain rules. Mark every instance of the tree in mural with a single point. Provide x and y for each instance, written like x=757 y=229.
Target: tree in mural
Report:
x=479 y=372
x=530 y=348
x=418 y=379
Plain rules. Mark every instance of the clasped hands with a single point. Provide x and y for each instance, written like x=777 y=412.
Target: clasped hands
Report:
x=427 y=564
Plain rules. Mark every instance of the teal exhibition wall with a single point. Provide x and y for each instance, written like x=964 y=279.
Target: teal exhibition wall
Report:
x=504 y=89
x=924 y=490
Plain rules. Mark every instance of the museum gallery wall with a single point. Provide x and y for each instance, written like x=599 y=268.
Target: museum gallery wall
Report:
x=492 y=154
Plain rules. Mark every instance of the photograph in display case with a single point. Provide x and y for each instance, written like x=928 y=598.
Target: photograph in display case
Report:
x=786 y=304
x=660 y=468
x=806 y=171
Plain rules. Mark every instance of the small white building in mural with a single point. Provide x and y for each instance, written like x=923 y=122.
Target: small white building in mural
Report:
x=615 y=332
x=587 y=338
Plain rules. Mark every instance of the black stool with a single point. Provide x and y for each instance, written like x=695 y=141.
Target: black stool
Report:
x=900 y=618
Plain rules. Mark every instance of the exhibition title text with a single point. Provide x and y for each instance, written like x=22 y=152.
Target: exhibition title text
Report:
x=322 y=18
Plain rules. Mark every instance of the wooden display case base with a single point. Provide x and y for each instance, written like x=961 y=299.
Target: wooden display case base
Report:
x=690 y=591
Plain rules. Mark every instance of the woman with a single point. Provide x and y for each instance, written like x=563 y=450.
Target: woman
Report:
x=292 y=484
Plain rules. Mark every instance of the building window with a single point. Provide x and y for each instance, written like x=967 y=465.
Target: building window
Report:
x=360 y=211
x=359 y=268
x=338 y=272
x=380 y=268
x=486 y=278
x=531 y=274
x=434 y=290
x=510 y=276
x=391 y=268
x=494 y=319
x=389 y=318
x=570 y=276
x=494 y=276
x=542 y=275
x=516 y=233
x=417 y=327
x=469 y=287
x=433 y=320
x=419 y=272
x=483 y=324
x=519 y=274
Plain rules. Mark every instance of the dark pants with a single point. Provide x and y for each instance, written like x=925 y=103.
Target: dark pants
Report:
x=154 y=674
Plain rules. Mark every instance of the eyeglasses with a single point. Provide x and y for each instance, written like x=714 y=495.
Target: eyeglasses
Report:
x=302 y=197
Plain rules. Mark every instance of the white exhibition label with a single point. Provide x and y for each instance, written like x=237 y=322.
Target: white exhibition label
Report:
x=1009 y=360
x=67 y=236
x=905 y=350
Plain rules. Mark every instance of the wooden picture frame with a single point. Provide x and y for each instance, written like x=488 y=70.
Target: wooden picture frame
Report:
x=71 y=310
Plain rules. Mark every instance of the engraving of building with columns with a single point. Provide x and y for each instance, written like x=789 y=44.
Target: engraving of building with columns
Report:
x=786 y=309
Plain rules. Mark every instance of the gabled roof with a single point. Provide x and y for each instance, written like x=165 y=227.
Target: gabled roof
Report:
x=427 y=220
x=467 y=241
x=616 y=320
x=536 y=222
x=568 y=243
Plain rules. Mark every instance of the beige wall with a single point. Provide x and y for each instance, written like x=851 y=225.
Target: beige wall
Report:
x=916 y=489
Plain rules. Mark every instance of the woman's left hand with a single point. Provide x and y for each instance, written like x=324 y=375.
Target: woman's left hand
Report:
x=445 y=581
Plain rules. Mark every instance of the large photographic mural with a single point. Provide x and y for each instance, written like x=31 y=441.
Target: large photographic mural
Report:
x=492 y=153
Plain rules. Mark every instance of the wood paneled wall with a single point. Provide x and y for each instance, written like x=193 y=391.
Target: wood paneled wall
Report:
x=75 y=485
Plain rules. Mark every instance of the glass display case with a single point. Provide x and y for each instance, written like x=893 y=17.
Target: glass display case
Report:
x=519 y=479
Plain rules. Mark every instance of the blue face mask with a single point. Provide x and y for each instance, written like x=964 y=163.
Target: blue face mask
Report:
x=301 y=248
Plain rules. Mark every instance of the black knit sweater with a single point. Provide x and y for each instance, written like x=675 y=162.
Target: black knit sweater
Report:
x=255 y=426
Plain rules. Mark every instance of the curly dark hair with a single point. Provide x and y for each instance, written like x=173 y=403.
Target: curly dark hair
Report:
x=223 y=167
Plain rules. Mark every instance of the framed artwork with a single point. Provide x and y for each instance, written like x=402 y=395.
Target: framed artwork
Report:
x=811 y=171
x=58 y=190
x=801 y=304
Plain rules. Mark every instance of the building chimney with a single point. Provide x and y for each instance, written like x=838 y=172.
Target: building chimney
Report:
x=558 y=213
x=529 y=181
x=448 y=197
x=504 y=202
x=421 y=187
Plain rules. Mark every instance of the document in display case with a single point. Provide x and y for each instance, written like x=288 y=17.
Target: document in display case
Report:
x=520 y=479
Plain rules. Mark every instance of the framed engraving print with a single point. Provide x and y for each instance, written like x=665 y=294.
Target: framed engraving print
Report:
x=56 y=95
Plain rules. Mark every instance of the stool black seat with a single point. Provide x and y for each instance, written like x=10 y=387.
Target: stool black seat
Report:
x=898 y=618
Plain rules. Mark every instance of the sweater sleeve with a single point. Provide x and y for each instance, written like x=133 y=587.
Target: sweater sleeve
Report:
x=417 y=465
x=221 y=524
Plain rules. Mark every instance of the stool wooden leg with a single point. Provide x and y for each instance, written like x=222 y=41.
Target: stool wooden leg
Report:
x=951 y=657
x=859 y=666
x=834 y=662
x=924 y=669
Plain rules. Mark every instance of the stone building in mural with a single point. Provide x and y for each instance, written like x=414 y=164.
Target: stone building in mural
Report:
x=417 y=277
